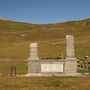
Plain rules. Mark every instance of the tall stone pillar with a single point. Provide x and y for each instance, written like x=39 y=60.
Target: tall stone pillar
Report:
x=33 y=60
x=33 y=52
x=70 y=61
x=70 y=47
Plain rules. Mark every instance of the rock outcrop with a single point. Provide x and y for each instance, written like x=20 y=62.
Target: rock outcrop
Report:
x=1 y=18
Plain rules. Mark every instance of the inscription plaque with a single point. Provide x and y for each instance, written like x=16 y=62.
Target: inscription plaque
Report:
x=51 y=67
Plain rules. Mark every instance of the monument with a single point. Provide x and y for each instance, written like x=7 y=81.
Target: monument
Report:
x=33 y=52
x=33 y=60
x=50 y=67
x=70 y=61
x=70 y=47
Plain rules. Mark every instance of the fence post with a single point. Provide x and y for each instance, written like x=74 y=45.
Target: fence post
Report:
x=11 y=70
x=15 y=71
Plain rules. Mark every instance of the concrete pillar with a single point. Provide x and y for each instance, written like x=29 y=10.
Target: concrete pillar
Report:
x=33 y=60
x=33 y=52
x=70 y=61
x=70 y=47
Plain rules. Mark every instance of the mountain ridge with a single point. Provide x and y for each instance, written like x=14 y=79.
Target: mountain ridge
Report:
x=1 y=18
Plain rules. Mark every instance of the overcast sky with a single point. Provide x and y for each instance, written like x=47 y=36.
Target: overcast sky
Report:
x=44 y=11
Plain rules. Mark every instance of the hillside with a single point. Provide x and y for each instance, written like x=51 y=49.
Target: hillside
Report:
x=15 y=38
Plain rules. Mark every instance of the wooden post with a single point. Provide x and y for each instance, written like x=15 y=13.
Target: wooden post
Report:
x=11 y=70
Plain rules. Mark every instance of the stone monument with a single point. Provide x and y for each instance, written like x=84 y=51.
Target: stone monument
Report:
x=50 y=67
x=33 y=52
x=33 y=60
x=70 y=61
x=70 y=47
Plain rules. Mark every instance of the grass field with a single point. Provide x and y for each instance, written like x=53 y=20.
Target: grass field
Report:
x=39 y=83
x=13 y=44
x=15 y=47
x=44 y=83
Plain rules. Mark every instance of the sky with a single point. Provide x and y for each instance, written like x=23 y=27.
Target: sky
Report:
x=44 y=11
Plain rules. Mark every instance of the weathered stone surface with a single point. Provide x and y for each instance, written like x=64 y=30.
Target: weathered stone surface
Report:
x=45 y=67
x=70 y=66
x=49 y=74
x=70 y=61
x=33 y=52
x=33 y=66
x=52 y=67
x=70 y=47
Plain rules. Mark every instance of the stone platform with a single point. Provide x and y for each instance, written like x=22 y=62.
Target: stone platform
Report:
x=64 y=74
x=50 y=67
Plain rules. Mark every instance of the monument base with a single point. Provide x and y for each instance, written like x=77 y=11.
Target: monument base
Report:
x=64 y=74
x=52 y=67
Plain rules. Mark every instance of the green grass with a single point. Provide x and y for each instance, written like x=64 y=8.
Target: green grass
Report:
x=21 y=66
x=83 y=71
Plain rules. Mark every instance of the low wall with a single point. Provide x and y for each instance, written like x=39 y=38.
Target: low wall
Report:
x=50 y=67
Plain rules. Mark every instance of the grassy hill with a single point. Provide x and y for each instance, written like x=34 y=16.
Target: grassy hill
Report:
x=15 y=38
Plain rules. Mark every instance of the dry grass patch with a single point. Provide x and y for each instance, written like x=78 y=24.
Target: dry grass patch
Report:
x=44 y=83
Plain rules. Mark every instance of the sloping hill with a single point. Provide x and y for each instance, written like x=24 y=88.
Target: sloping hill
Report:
x=15 y=38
